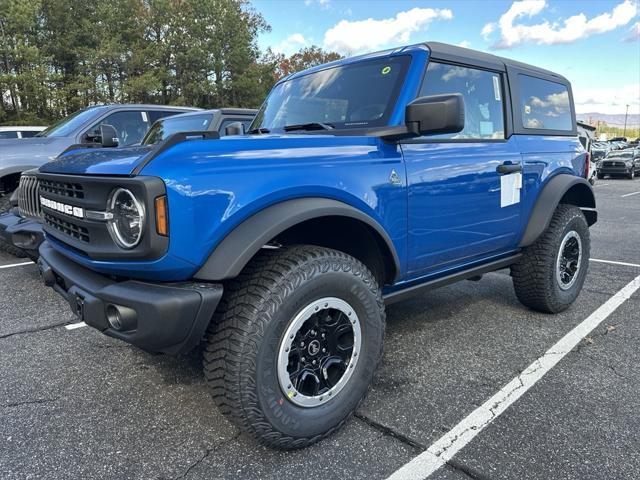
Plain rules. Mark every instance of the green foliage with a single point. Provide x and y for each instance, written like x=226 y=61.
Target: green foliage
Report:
x=57 y=56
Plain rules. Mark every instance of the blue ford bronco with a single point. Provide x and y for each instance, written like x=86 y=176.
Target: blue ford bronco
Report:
x=359 y=183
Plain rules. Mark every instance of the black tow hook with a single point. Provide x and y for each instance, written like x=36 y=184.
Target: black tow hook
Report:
x=46 y=273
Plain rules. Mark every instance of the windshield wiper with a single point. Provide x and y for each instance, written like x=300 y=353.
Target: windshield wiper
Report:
x=309 y=126
x=259 y=130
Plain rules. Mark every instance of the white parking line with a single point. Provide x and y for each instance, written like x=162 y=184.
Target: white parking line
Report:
x=629 y=194
x=73 y=326
x=601 y=184
x=443 y=450
x=612 y=262
x=15 y=265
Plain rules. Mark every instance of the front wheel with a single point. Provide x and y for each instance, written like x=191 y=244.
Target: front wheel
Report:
x=551 y=272
x=295 y=343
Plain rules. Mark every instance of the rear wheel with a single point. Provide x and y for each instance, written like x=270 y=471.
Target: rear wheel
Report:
x=295 y=343
x=551 y=273
x=5 y=206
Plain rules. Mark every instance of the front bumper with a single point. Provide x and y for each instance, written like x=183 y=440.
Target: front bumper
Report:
x=157 y=317
x=24 y=233
x=614 y=170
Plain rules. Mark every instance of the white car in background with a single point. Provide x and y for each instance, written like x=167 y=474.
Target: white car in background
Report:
x=19 y=132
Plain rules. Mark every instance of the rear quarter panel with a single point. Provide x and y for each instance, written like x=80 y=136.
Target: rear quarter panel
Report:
x=543 y=157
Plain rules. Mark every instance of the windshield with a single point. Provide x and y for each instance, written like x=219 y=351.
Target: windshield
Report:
x=357 y=95
x=164 y=128
x=620 y=154
x=68 y=125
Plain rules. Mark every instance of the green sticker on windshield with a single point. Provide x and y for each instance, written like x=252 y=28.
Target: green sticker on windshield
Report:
x=386 y=70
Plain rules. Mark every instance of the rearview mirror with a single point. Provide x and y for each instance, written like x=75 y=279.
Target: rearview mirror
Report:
x=435 y=114
x=109 y=136
x=235 y=128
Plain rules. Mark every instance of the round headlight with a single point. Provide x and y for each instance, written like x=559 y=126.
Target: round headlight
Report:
x=127 y=222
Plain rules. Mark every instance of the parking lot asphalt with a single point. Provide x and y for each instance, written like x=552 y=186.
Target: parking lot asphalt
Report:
x=77 y=404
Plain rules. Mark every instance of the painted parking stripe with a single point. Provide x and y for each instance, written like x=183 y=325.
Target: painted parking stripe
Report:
x=629 y=194
x=15 y=265
x=73 y=326
x=443 y=450
x=613 y=262
x=601 y=184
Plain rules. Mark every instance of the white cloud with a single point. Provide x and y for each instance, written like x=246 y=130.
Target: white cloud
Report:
x=365 y=35
x=324 y=4
x=546 y=33
x=609 y=100
x=291 y=44
x=464 y=44
x=634 y=33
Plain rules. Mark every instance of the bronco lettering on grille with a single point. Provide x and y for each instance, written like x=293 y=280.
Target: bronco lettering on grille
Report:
x=62 y=207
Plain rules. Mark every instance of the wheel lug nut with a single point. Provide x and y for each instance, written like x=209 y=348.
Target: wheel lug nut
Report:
x=324 y=350
x=314 y=362
x=303 y=359
x=302 y=344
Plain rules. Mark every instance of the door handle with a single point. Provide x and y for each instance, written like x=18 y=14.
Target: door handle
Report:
x=509 y=168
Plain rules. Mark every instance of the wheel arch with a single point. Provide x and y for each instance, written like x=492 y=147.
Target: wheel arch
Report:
x=10 y=178
x=561 y=189
x=301 y=221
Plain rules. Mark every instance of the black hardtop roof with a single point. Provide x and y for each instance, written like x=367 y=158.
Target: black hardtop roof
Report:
x=452 y=53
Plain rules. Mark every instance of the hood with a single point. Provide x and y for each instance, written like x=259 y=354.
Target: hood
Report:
x=31 y=152
x=98 y=161
x=208 y=153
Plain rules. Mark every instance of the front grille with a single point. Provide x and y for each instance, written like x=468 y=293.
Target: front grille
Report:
x=67 y=227
x=28 y=201
x=613 y=164
x=65 y=189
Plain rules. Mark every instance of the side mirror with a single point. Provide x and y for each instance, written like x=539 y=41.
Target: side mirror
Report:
x=235 y=128
x=435 y=114
x=109 y=136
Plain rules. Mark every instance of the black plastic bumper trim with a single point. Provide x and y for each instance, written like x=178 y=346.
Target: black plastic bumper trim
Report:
x=169 y=318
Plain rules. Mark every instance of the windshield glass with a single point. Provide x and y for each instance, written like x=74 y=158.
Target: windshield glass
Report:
x=620 y=154
x=168 y=126
x=357 y=95
x=68 y=125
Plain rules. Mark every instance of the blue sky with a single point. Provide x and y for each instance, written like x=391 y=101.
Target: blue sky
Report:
x=596 y=44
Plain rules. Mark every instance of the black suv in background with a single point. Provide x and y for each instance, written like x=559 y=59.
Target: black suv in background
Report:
x=620 y=163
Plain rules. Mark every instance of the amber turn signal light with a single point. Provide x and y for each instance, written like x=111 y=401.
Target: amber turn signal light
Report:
x=162 y=216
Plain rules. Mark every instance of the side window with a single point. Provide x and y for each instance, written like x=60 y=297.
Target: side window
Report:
x=130 y=127
x=544 y=104
x=4 y=135
x=482 y=92
x=158 y=114
x=29 y=133
x=228 y=121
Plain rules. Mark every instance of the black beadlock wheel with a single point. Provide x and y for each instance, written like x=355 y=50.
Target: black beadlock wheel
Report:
x=551 y=272
x=5 y=206
x=294 y=344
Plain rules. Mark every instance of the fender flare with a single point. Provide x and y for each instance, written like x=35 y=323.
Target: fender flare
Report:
x=231 y=255
x=580 y=194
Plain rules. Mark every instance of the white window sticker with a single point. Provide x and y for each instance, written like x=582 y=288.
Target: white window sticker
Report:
x=145 y=119
x=496 y=87
x=510 y=188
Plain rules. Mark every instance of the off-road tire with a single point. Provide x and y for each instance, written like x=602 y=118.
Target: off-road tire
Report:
x=5 y=206
x=534 y=275
x=631 y=174
x=243 y=341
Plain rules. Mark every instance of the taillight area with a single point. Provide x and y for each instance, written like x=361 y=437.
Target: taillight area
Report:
x=587 y=165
